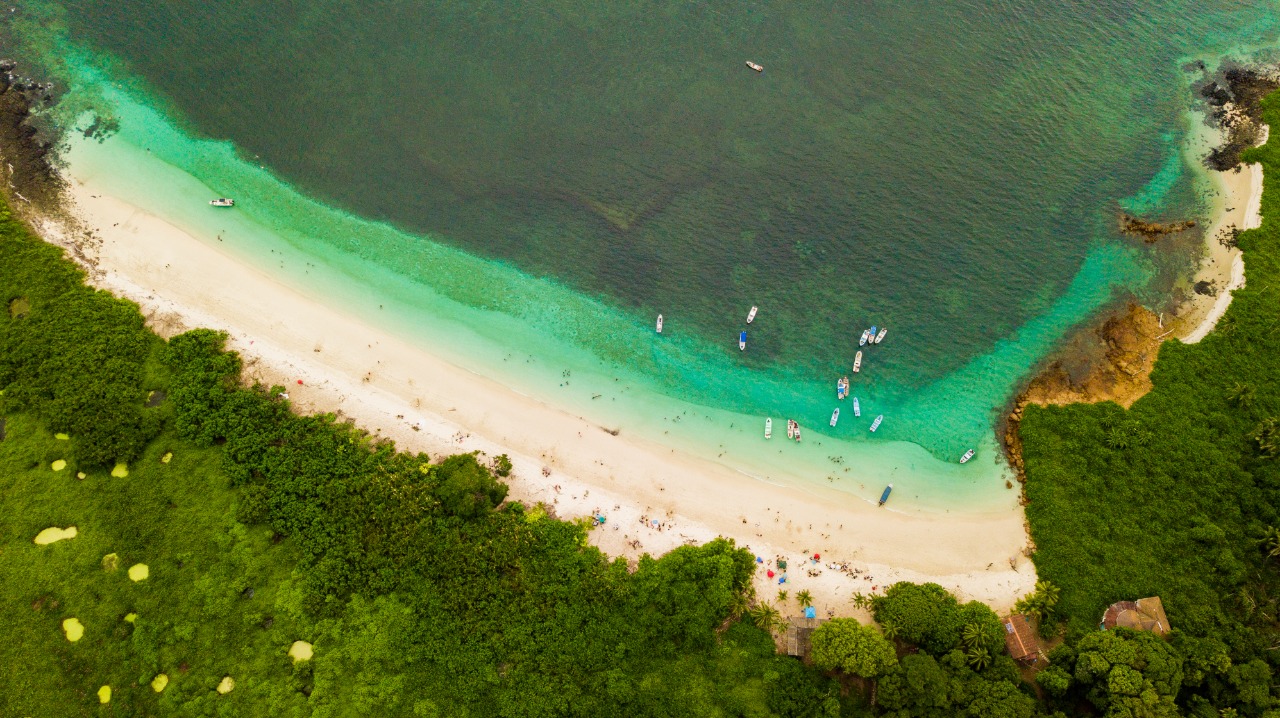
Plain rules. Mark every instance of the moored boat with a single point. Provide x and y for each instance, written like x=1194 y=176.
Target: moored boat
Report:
x=742 y=341
x=659 y=323
x=797 y=433
x=751 y=315
x=835 y=416
x=862 y=342
x=876 y=424
x=755 y=66
x=857 y=410
x=967 y=455
x=871 y=334
x=791 y=429
x=223 y=202
x=857 y=362
x=842 y=387
x=768 y=428
x=885 y=496
x=880 y=336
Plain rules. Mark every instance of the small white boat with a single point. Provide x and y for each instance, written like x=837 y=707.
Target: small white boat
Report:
x=755 y=66
x=751 y=315
x=791 y=429
x=967 y=455
x=857 y=362
x=876 y=424
x=768 y=428
x=880 y=336
x=842 y=388
x=797 y=433
x=866 y=333
x=222 y=202
x=857 y=410
x=835 y=416
x=659 y=323
x=742 y=341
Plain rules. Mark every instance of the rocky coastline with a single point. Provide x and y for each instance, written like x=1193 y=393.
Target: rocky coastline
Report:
x=1111 y=358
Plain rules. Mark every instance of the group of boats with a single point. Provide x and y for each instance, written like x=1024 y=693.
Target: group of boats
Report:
x=871 y=336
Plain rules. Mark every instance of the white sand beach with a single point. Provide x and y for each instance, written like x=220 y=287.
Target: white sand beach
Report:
x=654 y=498
x=1240 y=208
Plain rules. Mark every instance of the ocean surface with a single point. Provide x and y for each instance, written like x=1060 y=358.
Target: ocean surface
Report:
x=523 y=187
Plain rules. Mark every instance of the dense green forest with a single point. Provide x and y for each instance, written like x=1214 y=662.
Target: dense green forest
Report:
x=215 y=529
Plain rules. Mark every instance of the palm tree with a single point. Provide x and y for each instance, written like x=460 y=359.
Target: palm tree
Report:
x=890 y=630
x=978 y=658
x=805 y=598
x=765 y=617
x=1048 y=593
x=1118 y=438
x=861 y=600
x=1270 y=542
x=1241 y=395
x=1267 y=434
x=782 y=596
x=972 y=636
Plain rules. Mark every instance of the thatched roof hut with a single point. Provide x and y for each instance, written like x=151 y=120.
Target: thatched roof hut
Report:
x=795 y=640
x=1145 y=614
x=1021 y=639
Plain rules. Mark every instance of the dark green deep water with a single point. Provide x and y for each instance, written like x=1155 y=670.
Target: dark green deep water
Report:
x=940 y=168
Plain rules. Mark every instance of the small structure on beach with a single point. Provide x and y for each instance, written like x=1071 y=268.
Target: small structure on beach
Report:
x=1145 y=614
x=795 y=640
x=1021 y=639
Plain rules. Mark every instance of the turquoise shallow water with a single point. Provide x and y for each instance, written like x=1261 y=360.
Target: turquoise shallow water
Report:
x=547 y=180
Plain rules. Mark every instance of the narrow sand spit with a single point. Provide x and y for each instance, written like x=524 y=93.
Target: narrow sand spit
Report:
x=655 y=498
x=1241 y=208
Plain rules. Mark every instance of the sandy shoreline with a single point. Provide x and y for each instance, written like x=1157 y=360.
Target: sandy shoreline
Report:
x=1239 y=205
x=424 y=403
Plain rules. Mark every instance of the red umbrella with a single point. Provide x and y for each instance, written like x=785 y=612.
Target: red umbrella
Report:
x=816 y=557
x=770 y=573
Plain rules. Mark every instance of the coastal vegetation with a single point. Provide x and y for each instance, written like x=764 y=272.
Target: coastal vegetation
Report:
x=420 y=589
x=1175 y=497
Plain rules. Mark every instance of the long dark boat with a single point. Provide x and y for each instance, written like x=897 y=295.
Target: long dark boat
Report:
x=885 y=496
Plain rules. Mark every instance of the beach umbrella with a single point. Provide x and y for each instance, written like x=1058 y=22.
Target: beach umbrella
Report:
x=816 y=557
x=810 y=612
x=759 y=559
x=770 y=574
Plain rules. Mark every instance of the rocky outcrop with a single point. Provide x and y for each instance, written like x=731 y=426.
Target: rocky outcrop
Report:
x=1152 y=231
x=1235 y=105
x=1107 y=361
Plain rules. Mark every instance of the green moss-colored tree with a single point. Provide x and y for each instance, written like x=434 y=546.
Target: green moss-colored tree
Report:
x=845 y=645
